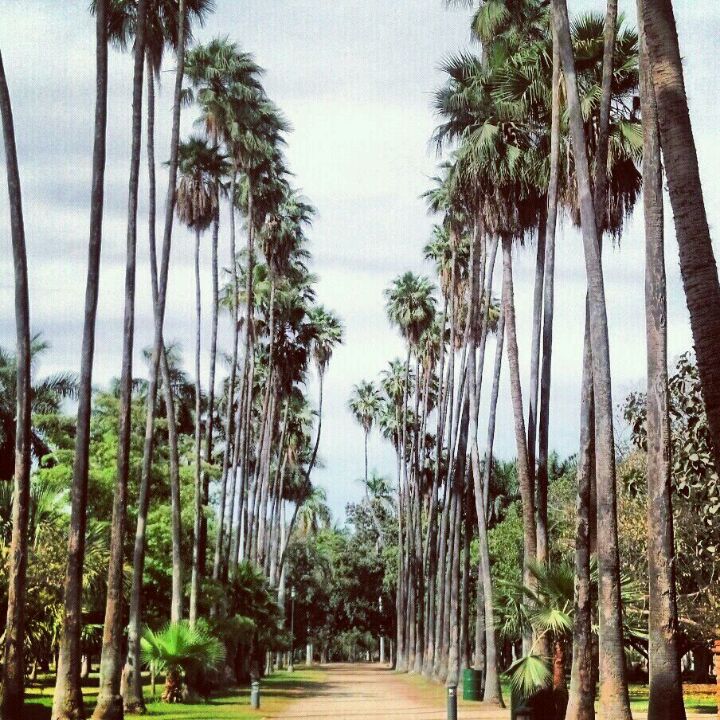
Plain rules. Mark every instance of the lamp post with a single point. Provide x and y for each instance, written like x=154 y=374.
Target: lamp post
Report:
x=382 y=637
x=292 y=629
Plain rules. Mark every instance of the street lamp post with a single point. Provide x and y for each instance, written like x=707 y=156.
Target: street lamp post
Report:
x=382 y=636
x=292 y=629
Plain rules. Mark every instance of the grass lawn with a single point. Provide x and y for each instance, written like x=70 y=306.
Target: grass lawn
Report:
x=276 y=691
x=700 y=699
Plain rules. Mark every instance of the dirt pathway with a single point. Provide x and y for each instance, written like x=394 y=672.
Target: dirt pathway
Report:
x=356 y=692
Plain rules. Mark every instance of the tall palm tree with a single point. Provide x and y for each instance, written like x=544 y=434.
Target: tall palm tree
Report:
x=13 y=673
x=109 y=703
x=68 y=698
x=666 y=693
x=168 y=23
x=410 y=305
x=614 y=699
x=327 y=335
x=200 y=166
x=697 y=260
x=365 y=403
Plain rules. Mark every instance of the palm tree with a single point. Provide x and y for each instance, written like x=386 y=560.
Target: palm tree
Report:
x=697 y=260
x=109 y=703
x=314 y=513
x=200 y=166
x=177 y=650
x=168 y=24
x=666 y=693
x=327 y=334
x=365 y=403
x=68 y=699
x=46 y=397
x=614 y=700
x=410 y=305
x=13 y=674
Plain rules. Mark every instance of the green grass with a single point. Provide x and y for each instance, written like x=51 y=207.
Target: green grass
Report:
x=277 y=691
x=697 y=701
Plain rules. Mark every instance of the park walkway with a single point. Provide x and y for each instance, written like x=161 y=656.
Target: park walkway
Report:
x=356 y=692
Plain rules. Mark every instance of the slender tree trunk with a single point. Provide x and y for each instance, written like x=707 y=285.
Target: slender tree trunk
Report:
x=159 y=280
x=548 y=314
x=666 y=692
x=131 y=685
x=614 y=699
x=493 y=693
x=68 y=700
x=211 y=384
x=13 y=672
x=523 y=469
x=453 y=663
x=535 y=347
x=582 y=677
x=697 y=260
x=109 y=705
x=198 y=502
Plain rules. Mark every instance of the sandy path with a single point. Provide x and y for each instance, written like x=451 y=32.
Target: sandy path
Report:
x=355 y=692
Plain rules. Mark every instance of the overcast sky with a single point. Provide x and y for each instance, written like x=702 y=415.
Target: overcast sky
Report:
x=355 y=79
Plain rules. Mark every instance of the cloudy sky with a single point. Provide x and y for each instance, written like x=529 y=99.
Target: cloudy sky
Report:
x=355 y=79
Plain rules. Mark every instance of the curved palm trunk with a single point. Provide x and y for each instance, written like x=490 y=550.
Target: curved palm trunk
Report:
x=133 y=687
x=666 y=693
x=109 y=704
x=697 y=260
x=68 y=699
x=524 y=476
x=614 y=699
x=13 y=673
x=311 y=465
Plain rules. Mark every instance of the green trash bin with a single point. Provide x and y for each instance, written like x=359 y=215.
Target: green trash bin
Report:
x=472 y=684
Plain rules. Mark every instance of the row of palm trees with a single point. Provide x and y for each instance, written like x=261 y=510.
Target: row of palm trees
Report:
x=543 y=122
x=257 y=434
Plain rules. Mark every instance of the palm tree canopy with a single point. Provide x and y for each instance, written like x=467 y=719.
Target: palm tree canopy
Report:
x=365 y=404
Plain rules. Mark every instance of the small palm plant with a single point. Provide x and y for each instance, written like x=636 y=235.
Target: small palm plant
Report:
x=177 y=650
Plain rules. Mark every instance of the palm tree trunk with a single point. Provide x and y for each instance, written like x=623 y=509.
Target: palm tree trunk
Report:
x=131 y=685
x=453 y=662
x=548 y=314
x=13 y=673
x=159 y=281
x=666 y=692
x=582 y=675
x=68 y=699
x=198 y=503
x=211 y=383
x=535 y=346
x=176 y=597
x=614 y=699
x=109 y=704
x=523 y=469
x=697 y=260
x=485 y=591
